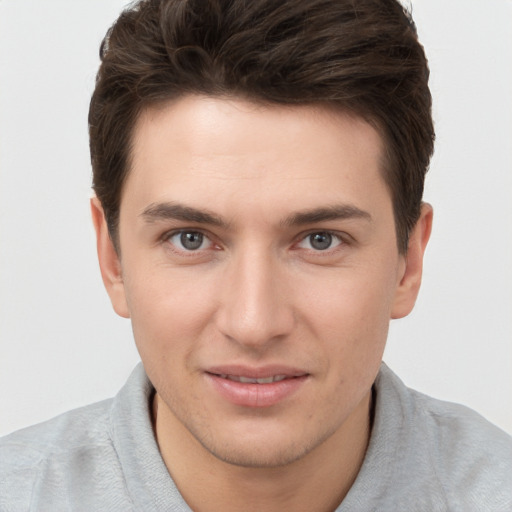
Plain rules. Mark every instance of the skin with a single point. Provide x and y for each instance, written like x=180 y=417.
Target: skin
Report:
x=258 y=292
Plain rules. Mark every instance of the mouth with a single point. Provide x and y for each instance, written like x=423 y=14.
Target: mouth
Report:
x=256 y=387
x=252 y=380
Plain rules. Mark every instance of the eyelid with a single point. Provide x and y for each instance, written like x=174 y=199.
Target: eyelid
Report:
x=166 y=237
x=342 y=237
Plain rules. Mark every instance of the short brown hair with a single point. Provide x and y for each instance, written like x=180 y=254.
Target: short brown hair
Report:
x=363 y=57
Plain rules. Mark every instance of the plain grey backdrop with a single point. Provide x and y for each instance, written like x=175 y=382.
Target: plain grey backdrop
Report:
x=61 y=345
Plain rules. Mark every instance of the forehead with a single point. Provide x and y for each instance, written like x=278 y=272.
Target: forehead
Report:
x=200 y=148
x=240 y=125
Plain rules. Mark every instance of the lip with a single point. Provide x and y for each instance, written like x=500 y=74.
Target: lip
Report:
x=248 y=394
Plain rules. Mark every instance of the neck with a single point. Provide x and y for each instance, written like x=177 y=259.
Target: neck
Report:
x=318 y=481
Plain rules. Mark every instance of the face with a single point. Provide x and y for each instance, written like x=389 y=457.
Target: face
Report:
x=259 y=267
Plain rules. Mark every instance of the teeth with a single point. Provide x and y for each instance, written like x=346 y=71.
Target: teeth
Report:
x=249 y=380
x=254 y=381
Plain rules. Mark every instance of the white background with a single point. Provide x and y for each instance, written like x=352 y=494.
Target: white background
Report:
x=62 y=346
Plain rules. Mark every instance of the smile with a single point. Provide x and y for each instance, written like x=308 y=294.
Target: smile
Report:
x=256 y=387
x=251 y=380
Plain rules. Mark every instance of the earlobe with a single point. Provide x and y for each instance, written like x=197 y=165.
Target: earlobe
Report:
x=109 y=261
x=410 y=282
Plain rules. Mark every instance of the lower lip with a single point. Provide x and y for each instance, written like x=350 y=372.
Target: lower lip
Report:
x=255 y=395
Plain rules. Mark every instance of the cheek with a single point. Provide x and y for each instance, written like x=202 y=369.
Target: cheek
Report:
x=168 y=309
x=350 y=311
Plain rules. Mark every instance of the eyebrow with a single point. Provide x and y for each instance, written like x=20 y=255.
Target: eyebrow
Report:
x=176 y=211
x=334 y=212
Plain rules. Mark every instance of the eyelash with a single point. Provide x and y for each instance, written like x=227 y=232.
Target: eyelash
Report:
x=341 y=238
x=166 y=238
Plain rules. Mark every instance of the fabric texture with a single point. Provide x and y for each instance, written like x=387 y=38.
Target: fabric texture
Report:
x=423 y=455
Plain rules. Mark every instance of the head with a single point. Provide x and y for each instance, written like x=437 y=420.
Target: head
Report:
x=359 y=57
x=259 y=169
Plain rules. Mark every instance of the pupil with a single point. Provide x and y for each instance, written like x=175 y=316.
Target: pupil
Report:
x=191 y=240
x=321 y=241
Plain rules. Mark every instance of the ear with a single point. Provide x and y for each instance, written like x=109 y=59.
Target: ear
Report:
x=110 y=264
x=410 y=282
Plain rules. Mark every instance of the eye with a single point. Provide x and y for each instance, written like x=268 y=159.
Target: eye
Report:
x=189 y=240
x=320 y=241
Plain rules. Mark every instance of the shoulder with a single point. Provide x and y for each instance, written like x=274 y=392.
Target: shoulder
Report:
x=47 y=453
x=467 y=459
x=473 y=456
x=67 y=432
x=84 y=458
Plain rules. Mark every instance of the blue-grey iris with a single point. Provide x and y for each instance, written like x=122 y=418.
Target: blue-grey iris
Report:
x=320 y=241
x=191 y=240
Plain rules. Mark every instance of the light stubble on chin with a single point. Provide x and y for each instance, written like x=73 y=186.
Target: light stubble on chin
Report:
x=250 y=455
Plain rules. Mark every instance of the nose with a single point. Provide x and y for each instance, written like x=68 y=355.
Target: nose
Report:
x=256 y=308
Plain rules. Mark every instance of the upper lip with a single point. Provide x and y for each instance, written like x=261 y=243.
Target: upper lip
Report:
x=253 y=372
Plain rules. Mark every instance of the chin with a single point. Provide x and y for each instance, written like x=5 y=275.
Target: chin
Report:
x=260 y=451
x=256 y=456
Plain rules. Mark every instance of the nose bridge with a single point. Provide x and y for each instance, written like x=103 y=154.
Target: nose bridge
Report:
x=255 y=308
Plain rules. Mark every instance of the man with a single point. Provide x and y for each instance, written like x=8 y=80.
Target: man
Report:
x=258 y=169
